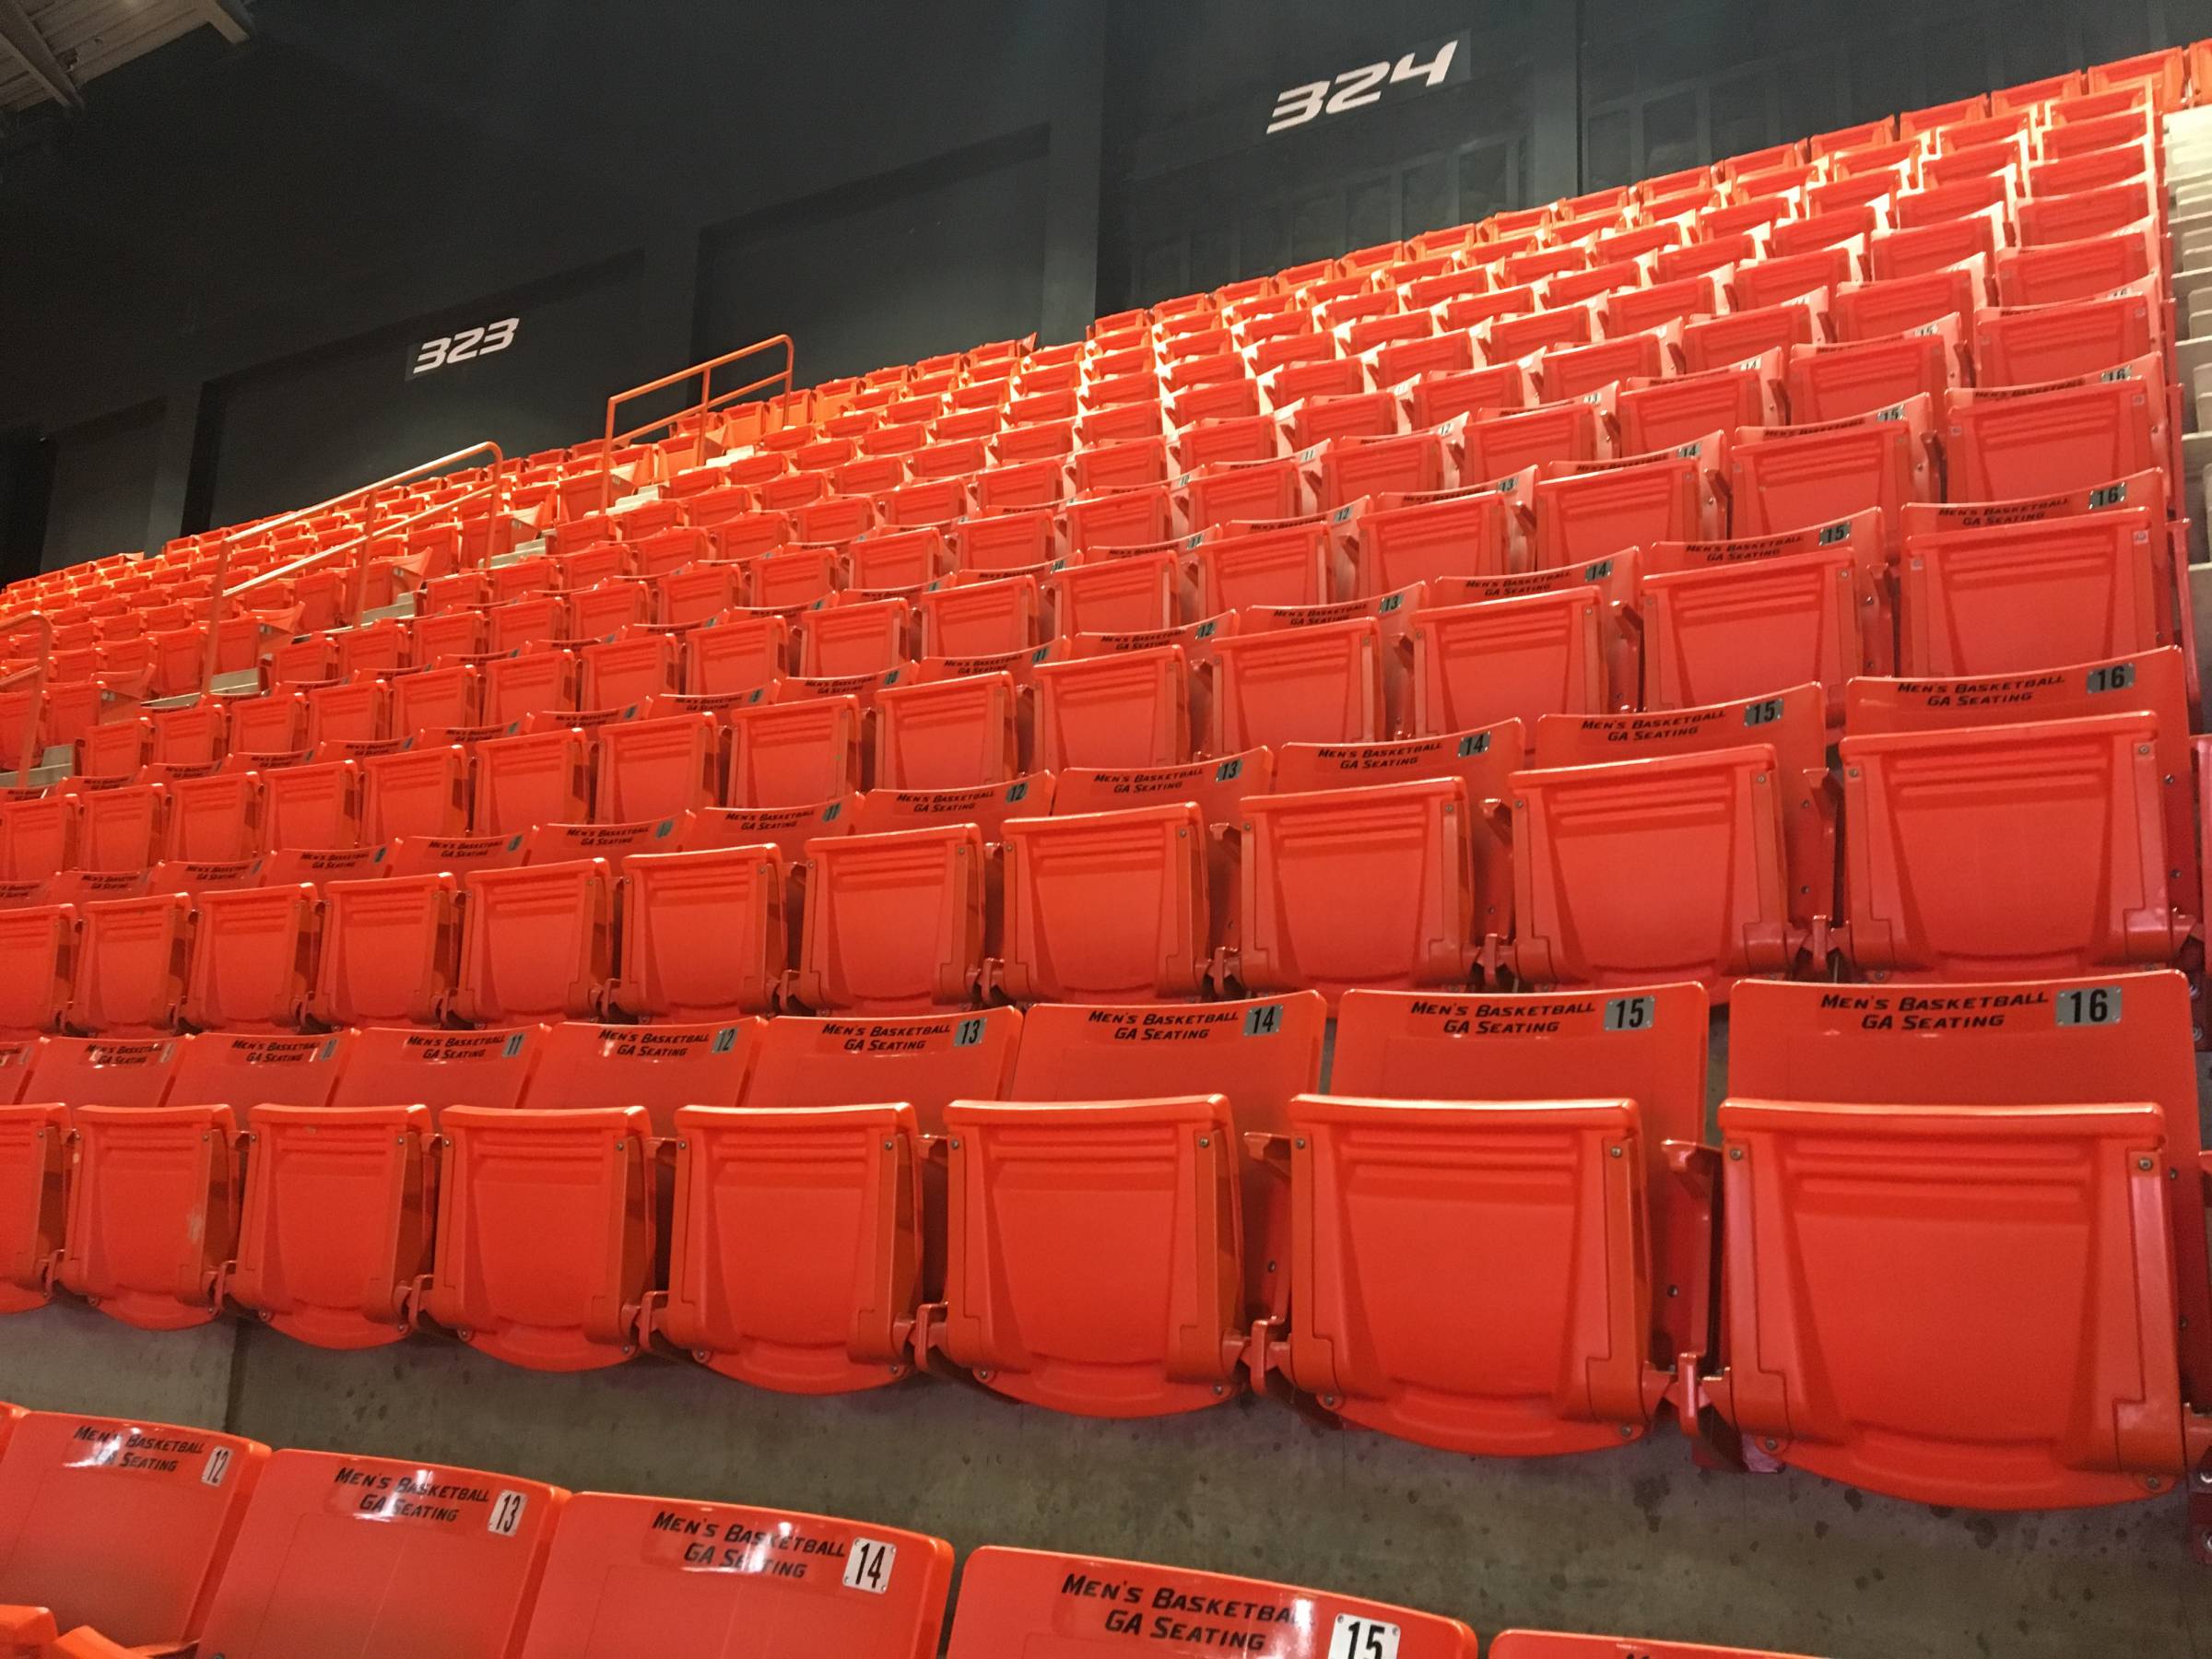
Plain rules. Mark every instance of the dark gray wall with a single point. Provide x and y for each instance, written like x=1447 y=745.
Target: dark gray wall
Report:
x=312 y=425
x=936 y=257
x=102 y=478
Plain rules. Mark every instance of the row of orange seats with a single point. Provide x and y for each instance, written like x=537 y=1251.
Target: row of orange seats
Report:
x=1131 y=1210
x=1508 y=851
x=120 y=1536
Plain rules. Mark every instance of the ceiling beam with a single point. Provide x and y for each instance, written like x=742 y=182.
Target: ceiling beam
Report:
x=21 y=39
x=228 y=17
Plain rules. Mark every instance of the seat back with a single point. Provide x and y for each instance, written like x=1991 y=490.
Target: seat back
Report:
x=532 y=778
x=924 y=1061
x=629 y=1575
x=396 y=1067
x=654 y=769
x=2005 y=441
x=406 y=1557
x=1016 y=1600
x=165 y=1500
x=661 y=1068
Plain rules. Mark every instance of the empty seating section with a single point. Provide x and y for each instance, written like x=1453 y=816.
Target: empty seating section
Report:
x=1194 y=863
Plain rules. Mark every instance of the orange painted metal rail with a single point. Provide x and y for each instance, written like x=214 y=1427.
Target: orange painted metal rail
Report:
x=709 y=400
x=359 y=544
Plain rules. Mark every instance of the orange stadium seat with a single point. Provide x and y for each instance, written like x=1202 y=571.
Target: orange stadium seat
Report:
x=1107 y=906
x=893 y=924
x=165 y=1500
x=1517 y=1108
x=1013 y=1600
x=628 y=1575
x=1915 y=1386
x=806 y=1145
x=408 y=1557
x=1127 y=709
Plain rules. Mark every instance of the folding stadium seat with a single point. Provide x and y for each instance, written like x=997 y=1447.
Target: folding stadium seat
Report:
x=1785 y=478
x=898 y=559
x=2013 y=598
x=39 y=838
x=1439 y=396
x=1113 y=596
x=736 y=651
x=619 y=672
x=796 y=753
x=2059 y=272
x=1010 y=541
x=1588 y=840
x=1729 y=619
x=165 y=1499
x=214 y=817
x=1349 y=468
x=1649 y=415
x=316 y=806
x=976 y=619
x=1107 y=906
x=358 y=709
x=1013 y=1601
x=1312 y=685
x=1590 y=509
x=1718 y=342
x=656 y=768
x=808 y=1148
x=130 y=962
x=36 y=1154
x=1211 y=443
x=545 y=1230
x=947 y=734
x=1118 y=518
x=436 y=697
x=841 y=639
x=408 y=1557
x=2035 y=1116
x=1398 y=540
x=335 y=1229
x=515 y=687
x=662 y=1575
x=122 y=829
x=388 y=949
x=1860 y=377
x=2030 y=345
x=2069 y=810
x=1157 y=1325
x=2010 y=443
x=153 y=1207
x=414 y=791
x=533 y=778
x=893 y=924
x=1882 y=310
x=1289 y=565
x=1509 y=659
x=1498 y=445
x=1442 y=867
x=1129 y=709
x=2077 y=215
x=537 y=942
x=704 y=934
x=1518 y=1110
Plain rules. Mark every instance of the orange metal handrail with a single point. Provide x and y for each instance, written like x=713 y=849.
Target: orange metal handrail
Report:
x=496 y=487
x=708 y=399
